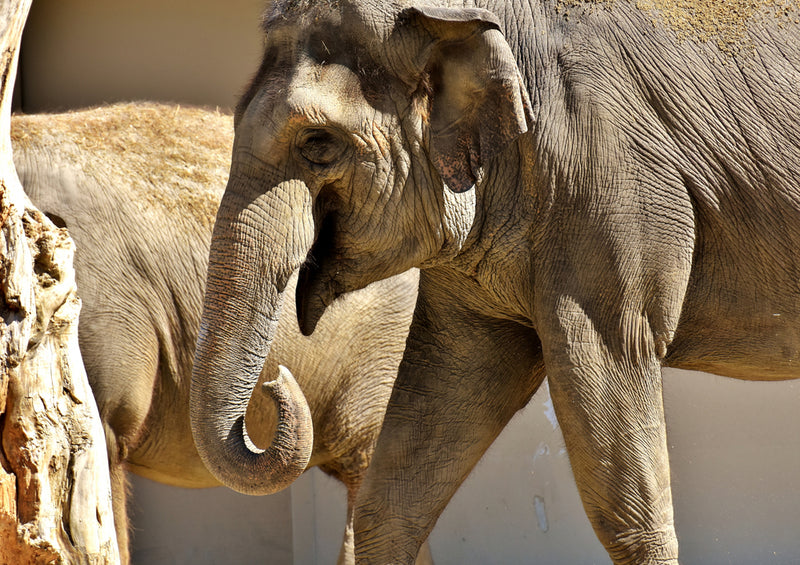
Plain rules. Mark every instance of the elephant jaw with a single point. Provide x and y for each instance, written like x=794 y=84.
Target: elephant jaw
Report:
x=321 y=278
x=313 y=296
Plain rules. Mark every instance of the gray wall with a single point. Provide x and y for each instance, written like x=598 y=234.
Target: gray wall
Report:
x=735 y=450
x=735 y=446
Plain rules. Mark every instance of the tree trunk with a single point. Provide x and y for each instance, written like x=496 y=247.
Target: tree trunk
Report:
x=55 y=495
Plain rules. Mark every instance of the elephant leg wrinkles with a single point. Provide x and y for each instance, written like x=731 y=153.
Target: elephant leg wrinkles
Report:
x=610 y=409
x=613 y=423
x=454 y=394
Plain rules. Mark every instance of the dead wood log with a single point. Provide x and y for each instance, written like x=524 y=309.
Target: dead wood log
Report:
x=55 y=501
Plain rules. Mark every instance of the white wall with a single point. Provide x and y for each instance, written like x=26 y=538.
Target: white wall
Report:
x=735 y=445
x=209 y=526
x=735 y=450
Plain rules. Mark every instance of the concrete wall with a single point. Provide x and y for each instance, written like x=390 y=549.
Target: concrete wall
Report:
x=88 y=52
x=735 y=450
x=735 y=446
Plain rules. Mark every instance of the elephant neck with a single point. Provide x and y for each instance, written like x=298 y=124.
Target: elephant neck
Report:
x=496 y=253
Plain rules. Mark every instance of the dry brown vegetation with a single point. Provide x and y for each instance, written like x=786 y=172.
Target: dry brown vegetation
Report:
x=724 y=22
x=188 y=157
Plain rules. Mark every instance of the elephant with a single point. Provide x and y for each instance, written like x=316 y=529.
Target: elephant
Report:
x=137 y=187
x=592 y=191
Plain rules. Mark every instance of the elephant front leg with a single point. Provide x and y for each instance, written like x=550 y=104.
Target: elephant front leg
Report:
x=610 y=409
x=347 y=552
x=462 y=378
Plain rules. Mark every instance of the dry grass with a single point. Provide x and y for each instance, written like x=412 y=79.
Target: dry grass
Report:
x=174 y=156
x=724 y=22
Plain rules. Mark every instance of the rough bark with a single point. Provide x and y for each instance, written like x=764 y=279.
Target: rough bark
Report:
x=55 y=496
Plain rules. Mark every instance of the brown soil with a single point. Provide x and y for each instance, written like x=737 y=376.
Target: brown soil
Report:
x=724 y=22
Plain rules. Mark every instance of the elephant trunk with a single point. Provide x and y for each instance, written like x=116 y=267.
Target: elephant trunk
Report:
x=262 y=234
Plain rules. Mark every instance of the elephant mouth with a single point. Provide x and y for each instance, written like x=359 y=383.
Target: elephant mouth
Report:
x=316 y=291
x=312 y=297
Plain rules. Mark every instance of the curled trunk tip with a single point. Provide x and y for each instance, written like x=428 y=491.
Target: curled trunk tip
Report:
x=295 y=432
x=293 y=443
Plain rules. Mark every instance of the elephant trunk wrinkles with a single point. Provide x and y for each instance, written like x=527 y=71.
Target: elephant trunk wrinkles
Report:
x=261 y=237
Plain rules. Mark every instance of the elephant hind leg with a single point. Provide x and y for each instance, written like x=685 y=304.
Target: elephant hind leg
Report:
x=123 y=429
x=120 y=489
x=120 y=486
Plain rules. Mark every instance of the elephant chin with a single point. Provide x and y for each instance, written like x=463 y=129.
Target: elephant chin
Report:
x=312 y=298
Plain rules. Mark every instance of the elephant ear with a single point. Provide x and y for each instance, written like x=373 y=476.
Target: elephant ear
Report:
x=478 y=103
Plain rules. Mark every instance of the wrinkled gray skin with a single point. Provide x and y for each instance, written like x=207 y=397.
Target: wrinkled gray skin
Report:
x=137 y=186
x=590 y=193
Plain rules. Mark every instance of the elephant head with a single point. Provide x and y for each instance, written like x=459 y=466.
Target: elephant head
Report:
x=357 y=147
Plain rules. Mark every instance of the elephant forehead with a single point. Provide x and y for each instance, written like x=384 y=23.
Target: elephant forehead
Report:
x=329 y=90
x=316 y=96
x=369 y=21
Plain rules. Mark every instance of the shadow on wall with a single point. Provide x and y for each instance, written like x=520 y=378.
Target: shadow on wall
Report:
x=735 y=449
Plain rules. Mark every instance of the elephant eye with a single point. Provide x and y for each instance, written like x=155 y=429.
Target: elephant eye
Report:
x=320 y=146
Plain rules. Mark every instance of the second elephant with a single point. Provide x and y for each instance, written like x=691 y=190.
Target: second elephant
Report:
x=137 y=187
